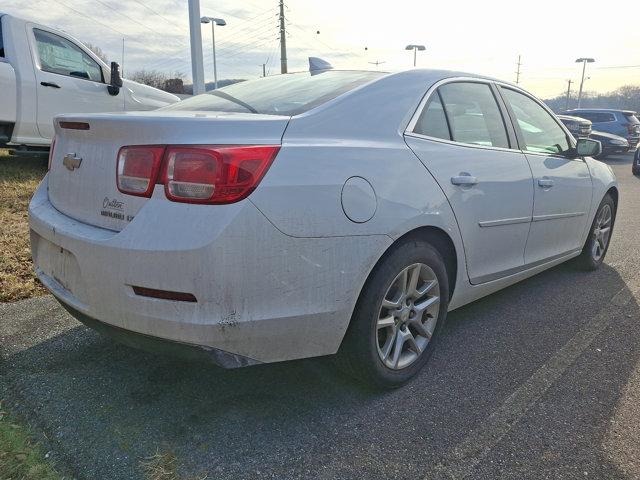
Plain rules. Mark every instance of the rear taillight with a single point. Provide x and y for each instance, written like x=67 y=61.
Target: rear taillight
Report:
x=194 y=174
x=137 y=169
x=53 y=145
x=214 y=174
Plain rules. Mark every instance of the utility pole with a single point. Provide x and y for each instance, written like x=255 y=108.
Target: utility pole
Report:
x=518 y=71
x=283 y=41
x=569 y=82
x=195 y=39
x=122 y=64
x=264 y=69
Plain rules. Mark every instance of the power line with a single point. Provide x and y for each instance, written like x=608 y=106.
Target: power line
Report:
x=91 y=18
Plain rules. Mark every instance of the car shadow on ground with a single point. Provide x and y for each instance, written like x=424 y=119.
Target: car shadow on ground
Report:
x=103 y=407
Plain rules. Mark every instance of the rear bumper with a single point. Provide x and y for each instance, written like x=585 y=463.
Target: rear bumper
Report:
x=158 y=345
x=262 y=296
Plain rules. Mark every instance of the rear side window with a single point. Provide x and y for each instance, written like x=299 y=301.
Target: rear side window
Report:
x=288 y=94
x=61 y=56
x=473 y=114
x=540 y=131
x=597 y=117
x=432 y=121
x=1 y=40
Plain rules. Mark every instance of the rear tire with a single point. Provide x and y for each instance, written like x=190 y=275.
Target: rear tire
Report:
x=390 y=338
x=635 y=167
x=599 y=238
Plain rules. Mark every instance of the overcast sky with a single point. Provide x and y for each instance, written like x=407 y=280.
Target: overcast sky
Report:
x=476 y=36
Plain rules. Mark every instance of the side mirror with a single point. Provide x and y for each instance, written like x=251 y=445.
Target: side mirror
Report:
x=586 y=147
x=116 y=80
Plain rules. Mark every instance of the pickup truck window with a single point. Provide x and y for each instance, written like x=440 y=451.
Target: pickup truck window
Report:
x=61 y=56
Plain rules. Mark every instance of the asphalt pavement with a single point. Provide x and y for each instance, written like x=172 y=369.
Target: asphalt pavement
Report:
x=540 y=380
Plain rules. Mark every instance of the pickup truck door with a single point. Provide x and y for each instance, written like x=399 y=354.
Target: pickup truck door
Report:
x=461 y=137
x=68 y=79
x=562 y=185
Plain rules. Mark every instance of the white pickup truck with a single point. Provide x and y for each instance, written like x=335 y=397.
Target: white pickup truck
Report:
x=45 y=72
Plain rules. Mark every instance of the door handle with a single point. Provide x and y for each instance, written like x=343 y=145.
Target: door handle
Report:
x=464 y=179
x=545 y=182
x=50 y=84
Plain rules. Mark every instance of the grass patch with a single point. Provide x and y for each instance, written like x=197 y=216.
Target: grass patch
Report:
x=19 y=177
x=21 y=459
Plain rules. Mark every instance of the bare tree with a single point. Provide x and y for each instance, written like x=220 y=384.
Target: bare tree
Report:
x=98 y=51
x=154 y=78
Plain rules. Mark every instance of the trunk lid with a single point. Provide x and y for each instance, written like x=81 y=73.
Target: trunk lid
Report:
x=89 y=193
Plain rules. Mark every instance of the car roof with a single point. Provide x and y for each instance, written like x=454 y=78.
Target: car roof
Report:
x=606 y=110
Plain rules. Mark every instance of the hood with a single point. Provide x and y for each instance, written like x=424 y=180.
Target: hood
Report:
x=596 y=135
x=574 y=119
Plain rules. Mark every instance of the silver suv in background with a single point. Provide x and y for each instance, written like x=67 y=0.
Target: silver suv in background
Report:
x=579 y=127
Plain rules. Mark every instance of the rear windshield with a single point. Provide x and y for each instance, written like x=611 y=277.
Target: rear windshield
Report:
x=631 y=118
x=288 y=94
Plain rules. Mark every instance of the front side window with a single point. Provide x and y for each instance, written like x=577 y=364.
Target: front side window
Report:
x=473 y=114
x=540 y=131
x=61 y=56
x=432 y=121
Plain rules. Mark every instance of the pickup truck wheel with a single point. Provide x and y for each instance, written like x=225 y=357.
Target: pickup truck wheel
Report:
x=597 y=244
x=398 y=316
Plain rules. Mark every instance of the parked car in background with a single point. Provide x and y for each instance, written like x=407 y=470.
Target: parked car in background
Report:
x=579 y=127
x=611 y=144
x=636 y=162
x=45 y=72
x=623 y=123
x=304 y=214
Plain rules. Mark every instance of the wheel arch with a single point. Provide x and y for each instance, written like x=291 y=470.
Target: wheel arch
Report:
x=435 y=236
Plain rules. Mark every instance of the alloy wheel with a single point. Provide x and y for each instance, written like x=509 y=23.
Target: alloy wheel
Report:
x=408 y=316
x=601 y=232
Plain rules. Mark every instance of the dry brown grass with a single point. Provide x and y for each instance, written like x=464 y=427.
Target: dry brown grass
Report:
x=163 y=466
x=19 y=177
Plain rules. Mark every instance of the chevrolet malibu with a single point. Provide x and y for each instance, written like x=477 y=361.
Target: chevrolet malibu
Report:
x=311 y=214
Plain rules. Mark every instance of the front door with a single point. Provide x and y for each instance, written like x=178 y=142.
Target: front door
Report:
x=68 y=80
x=461 y=137
x=562 y=185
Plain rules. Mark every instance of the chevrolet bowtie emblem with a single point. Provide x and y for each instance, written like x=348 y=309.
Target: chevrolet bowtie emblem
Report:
x=71 y=161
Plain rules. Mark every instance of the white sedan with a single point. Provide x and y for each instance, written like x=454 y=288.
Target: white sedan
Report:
x=310 y=214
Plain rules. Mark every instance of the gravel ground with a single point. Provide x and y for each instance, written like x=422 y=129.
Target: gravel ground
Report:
x=540 y=380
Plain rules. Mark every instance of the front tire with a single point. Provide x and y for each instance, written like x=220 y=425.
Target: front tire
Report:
x=597 y=244
x=398 y=316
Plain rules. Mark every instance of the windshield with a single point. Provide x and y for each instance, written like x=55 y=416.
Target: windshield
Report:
x=631 y=118
x=288 y=94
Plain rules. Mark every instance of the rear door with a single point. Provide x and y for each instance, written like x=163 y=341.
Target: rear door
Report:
x=461 y=137
x=562 y=185
x=68 y=80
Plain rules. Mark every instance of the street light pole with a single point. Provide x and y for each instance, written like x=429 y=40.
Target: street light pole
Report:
x=220 y=22
x=584 y=61
x=195 y=39
x=415 y=49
